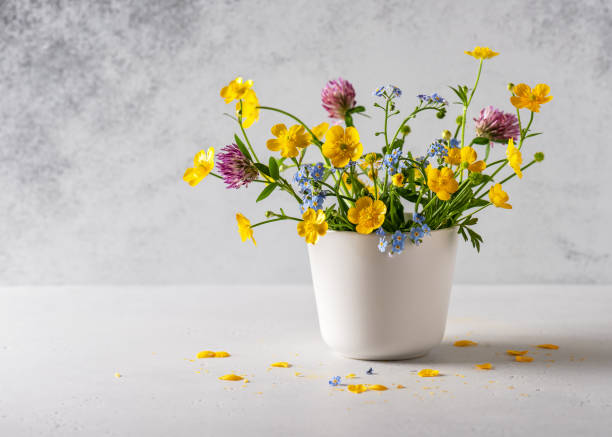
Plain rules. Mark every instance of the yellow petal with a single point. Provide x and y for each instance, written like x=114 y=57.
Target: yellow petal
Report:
x=357 y=388
x=231 y=377
x=351 y=376
x=522 y=90
x=523 y=359
x=280 y=364
x=400 y=386
x=465 y=343
x=516 y=353
x=205 y=354
x=117 y=375
x=222 y=354
x=548 y=346
x=484 y=366
x=428 y=373
x=377 y=387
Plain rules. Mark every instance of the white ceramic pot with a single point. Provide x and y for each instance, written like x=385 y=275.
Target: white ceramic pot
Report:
x=375 y=307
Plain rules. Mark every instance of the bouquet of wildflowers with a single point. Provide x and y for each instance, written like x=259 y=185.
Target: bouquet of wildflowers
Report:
x=400 y=194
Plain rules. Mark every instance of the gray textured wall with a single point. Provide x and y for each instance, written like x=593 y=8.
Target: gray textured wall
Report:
x=104 y=103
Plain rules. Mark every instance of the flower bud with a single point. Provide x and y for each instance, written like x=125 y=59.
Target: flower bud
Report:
x=459 y=119
x=405 y=130
x=539 y=156
x=447 y=135
x=510 y=86
x=269 y=214
x=370 y=158
x=441 y=113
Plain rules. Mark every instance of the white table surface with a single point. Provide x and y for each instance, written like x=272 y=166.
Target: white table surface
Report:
x=60 y=349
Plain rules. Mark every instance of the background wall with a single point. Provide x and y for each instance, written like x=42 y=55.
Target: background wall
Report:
x=103 y=105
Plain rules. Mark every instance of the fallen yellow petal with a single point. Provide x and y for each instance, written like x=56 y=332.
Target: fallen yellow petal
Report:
x=426 y=373
x=465 y=343
x=298 y=374
x=516 y=353
x=222 y=354
x=205 y=354
x=484 y=366
x=357 y=388
x=523 y=359
x=377 y=387
x=280 y=364
x=117 y=375
x=230 y=377
x=548 y=346
x=351 y=376
x=400 y=386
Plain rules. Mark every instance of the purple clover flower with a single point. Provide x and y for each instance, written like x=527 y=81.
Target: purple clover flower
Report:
x=337 y=97
x=496 y=125
x=237 y=170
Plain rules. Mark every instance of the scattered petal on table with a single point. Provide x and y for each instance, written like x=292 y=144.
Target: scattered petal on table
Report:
x=222 y=354
x=400 y=386
x=523 y=359
x=548 y=346
x=377 y=387
x=351 y=376
x=280 y=364
x=516 y=353
x=484 y=366
x=465 y=343
x=427 y=373
x=205 y=354
x=357 y=388
x=231 y=377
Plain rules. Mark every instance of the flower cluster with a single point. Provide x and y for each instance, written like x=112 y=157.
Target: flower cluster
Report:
x=388 y=91
x=434 y=98
x=400 y=193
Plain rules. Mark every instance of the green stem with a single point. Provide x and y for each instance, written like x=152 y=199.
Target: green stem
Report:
x=465 y=107
x=275 y=220
x=245 y=135
x=524 y=134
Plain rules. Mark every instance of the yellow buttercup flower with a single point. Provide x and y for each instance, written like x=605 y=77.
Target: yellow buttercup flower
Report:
x=244 y=228
x=203 y=163
x=469 y=156
x=367 y=214
x=515 y=159
x=342 y=146
x=442 y=182
x=319 y=132
x=398 y=180
x=288 y=141
x=313 y=226
x=250 y=109
x=236 y=89
x=482 y=53
x=453 y=156
x=525 y=97
x=499 y=197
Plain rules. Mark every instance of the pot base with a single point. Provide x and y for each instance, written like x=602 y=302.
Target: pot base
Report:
x=387 y=357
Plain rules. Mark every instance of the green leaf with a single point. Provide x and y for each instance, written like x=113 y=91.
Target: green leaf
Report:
x=356 y=110
x=476 y=203
x=242 y=147
x=266 y=192
x=273 y=168
x=533 y=134
x=481 y=140
x=262 y=168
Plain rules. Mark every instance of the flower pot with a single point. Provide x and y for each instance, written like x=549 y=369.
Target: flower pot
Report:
x=375 y=307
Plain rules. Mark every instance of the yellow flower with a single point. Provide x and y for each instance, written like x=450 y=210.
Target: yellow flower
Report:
x=203 y=163
x=346 y=180
x=250 y=109
x=398 y=180
x=236 y=89
x=515 y=159
x=367 y=214
x=288 y=141
x=525 y=97
x=482 y=53
x=244 y=227
x=442 y=182
x=341 y=145
x=313 y=226
x=319 y=132
x=499 y=197
x=453 y=156
x=465 y=155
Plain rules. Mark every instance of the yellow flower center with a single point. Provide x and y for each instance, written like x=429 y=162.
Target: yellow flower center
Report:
x=343 y=146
